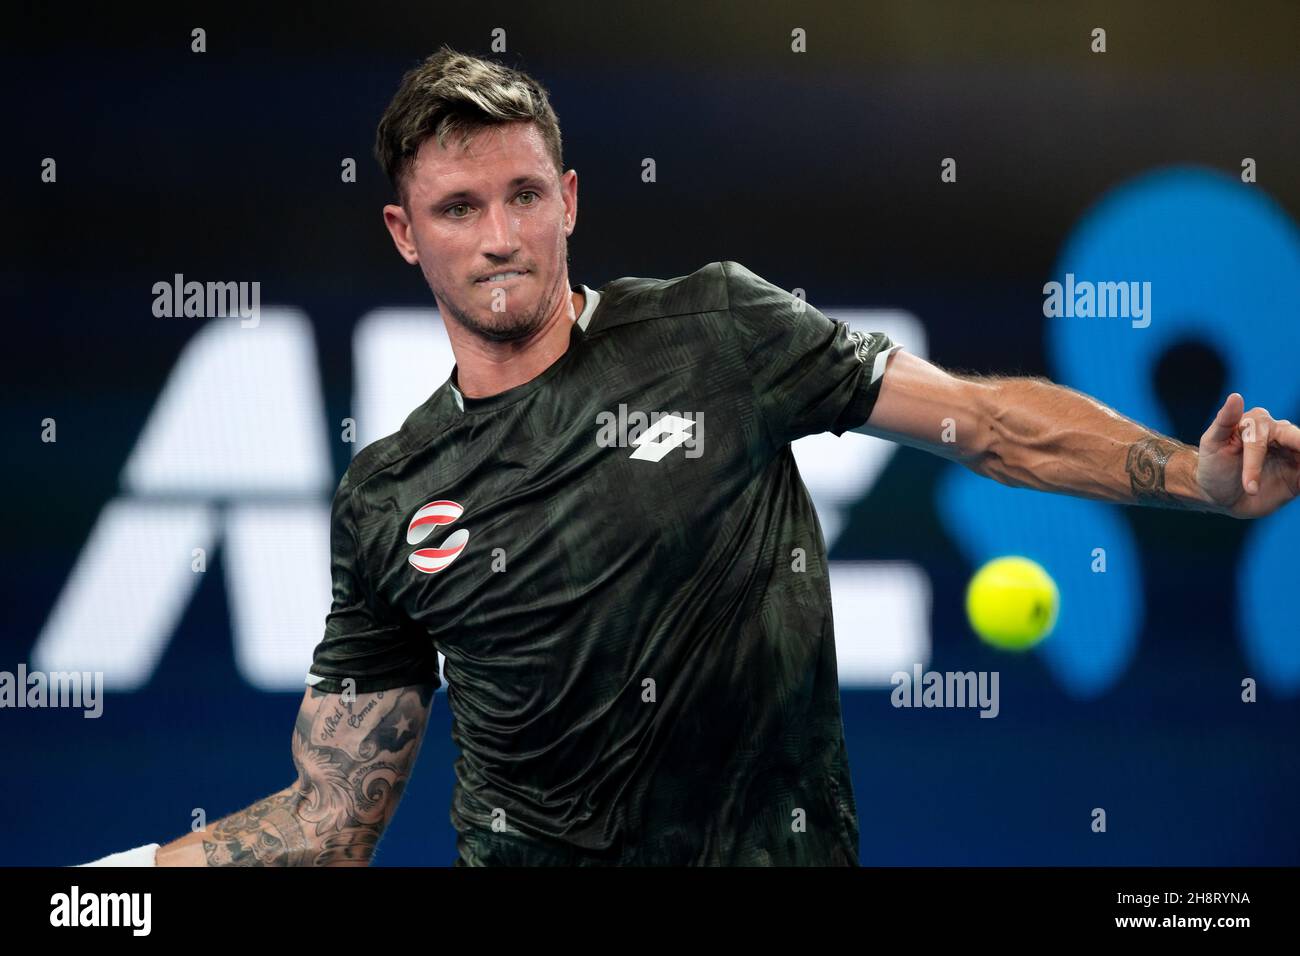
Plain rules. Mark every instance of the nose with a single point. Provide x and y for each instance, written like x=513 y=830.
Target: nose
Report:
x=500 y=236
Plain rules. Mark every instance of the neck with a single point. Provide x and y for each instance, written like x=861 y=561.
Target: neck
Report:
x=485 y=368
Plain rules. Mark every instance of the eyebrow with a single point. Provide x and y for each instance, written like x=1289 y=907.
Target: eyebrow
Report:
x=529 y=179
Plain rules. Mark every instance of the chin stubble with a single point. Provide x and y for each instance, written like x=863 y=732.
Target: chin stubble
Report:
x=512 y=331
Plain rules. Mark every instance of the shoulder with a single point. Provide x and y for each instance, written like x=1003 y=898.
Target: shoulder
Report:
x=721 y=288
x=385 y=454
x=747 y=288
x=631 y=299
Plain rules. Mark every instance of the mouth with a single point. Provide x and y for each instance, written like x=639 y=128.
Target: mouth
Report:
x=501 y=278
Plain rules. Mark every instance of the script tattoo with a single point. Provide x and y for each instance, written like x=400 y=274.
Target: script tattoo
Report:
x=346 y=789
x=1145 y=465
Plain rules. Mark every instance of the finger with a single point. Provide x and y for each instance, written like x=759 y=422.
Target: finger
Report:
x=1286 y=434
x=1255 y=426
x=1221 y=429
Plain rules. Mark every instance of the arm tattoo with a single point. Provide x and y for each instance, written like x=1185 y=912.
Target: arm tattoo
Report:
x=349 y=783
x=1145 y=465
x=266 y=834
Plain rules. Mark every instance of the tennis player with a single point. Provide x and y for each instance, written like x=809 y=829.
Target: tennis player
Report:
x=598 y=520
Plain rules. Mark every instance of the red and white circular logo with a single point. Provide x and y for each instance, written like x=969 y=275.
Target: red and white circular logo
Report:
x=431 y=516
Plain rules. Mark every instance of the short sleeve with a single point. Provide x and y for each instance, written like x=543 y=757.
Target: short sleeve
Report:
x=364 y=639
x=811 y=374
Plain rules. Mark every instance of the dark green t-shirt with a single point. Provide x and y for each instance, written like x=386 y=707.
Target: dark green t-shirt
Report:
x=640 y=667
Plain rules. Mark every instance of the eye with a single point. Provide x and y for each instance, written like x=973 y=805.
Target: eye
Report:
x=529 y=192
x=459 y=205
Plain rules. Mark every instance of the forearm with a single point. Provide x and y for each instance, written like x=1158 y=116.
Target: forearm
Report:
x=1048 y=437
x=269 y=833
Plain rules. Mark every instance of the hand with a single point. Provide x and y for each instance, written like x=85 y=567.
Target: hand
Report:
x=1249 y=464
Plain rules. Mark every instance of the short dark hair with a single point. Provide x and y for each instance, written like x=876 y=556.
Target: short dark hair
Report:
x=453 y=94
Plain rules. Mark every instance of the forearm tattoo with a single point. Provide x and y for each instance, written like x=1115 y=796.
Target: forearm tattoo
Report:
x=1145 y=465
x=350 y=780
x=266 y=834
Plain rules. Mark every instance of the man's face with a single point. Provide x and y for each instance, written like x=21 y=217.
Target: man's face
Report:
x=496 y=206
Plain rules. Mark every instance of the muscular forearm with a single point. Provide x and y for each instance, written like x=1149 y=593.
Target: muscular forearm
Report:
x=269 y=833
x=1052 y=438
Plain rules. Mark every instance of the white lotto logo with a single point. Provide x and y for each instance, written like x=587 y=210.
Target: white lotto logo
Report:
x=434 y=515
x=662 y=437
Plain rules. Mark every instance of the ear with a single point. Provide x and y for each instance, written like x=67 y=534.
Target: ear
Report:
x=569 y=193
x=399 y=227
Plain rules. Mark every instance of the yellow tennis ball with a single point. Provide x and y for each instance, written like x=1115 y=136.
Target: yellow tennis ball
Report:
x=1012 y=603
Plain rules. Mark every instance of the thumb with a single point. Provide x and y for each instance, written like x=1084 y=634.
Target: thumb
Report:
x=1225 y=423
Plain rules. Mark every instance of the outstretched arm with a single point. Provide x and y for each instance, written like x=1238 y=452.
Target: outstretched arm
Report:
x=1032 y=433
x=353 y=758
